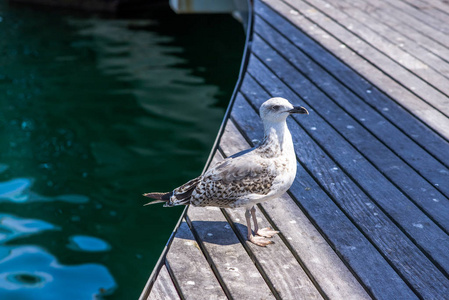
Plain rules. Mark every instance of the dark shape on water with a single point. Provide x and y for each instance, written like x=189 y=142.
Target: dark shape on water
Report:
x=74 y=145
x=98 y=6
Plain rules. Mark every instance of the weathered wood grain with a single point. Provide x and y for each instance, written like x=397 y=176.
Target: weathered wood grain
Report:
x=430 y=10
x=163 y=288
x=397 y=247
x=306 y=20
x=438 y=4
x=393 y=165
x=409 y=80
x=399 y=59
x=190 y=268
x=318 y=258
x=430 y=168
x=223 y=249
x=409 y=20
x=358 y=253
x=368 y=214
x=392 y=42
x=430 y=43
x=327 y=72
x=391 y=200
x=439 y=25
x=279 y=264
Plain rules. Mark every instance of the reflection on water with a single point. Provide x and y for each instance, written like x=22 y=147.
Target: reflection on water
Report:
x=12 y=227
x=87 y=243
x=29 y=272
x=15 y=190
x=18 y=190
x=94 y=112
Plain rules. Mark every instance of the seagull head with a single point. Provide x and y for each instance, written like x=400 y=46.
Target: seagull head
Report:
x=277 y=110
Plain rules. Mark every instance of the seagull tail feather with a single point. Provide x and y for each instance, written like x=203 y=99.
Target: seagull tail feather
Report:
x=154 y=202
x=158 y=197
x=179 y=196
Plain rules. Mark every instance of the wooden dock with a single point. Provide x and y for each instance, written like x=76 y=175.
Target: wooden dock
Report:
x=368 y=214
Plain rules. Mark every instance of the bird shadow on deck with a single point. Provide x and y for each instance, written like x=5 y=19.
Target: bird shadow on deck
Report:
x=212 y=232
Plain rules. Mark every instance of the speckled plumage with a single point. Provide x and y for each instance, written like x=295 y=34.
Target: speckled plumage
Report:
x=230 y=181
x=248 y=177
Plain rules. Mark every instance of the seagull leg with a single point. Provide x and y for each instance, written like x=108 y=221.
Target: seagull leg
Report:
x=265 y=232
x=253 y=214
x=248 y=223
x=257 y=240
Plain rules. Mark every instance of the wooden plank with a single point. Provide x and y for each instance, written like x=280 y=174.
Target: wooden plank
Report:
x=438 y=4
x=408 y=100
x=393 y=42
x=397 y=54
x=343 y=75
x=372 y=220
x=378 y=154
x=387 y=19
x=382 y=7
x=403 y=23
x=423 y=164
x=282 y=269
x=376 y=274
x=309 y=68
x=163 y=288
x=389 y=198
x=341 y=197
x=441 y=5
x=436 y=24
x=190 y=268
x=429 y=9
x=427 y=42
x=326 y=269
x=280 y=265
x=424 y=7
x=218 y=241
x=428 y=12
x=323 y=14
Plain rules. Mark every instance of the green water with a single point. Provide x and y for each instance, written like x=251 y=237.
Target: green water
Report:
x=94 y=112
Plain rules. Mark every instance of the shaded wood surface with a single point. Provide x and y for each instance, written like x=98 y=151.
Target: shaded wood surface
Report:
x=368 y=213
x=163 y=288
x=190 y=268
x=240 y=276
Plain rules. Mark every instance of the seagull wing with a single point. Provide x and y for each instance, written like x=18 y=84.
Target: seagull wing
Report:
x=234 y=179
x=236 y=170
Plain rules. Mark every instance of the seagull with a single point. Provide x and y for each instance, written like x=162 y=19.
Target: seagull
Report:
x=249 y=177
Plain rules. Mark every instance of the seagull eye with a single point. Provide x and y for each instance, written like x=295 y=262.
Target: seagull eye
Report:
x=276 y=107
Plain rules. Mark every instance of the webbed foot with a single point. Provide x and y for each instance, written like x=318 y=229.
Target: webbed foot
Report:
x=267 y=232
x=260 y=240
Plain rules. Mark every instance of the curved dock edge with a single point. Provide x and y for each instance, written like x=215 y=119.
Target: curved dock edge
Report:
x=367 y=216
x=246 y=53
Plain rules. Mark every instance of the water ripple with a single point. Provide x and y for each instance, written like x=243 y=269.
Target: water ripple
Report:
x=12 y=227
x=18 y=190
x=29 y=272
x=87 y=243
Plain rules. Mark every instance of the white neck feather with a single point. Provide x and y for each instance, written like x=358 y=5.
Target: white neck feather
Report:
x=277 y=135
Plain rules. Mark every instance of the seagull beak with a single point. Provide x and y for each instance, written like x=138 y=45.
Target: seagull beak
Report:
x=298 y=110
